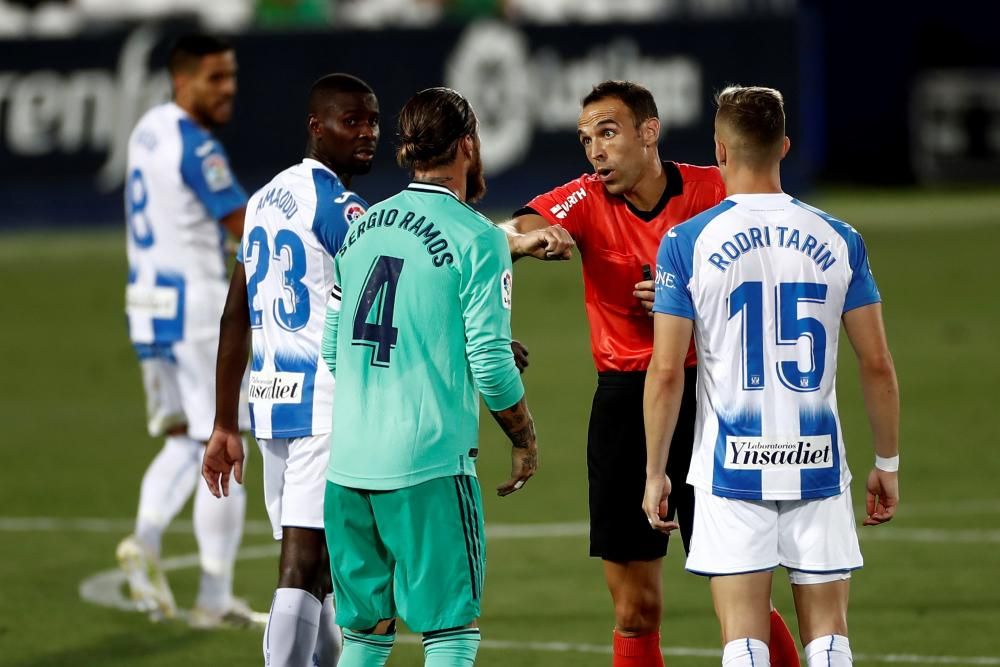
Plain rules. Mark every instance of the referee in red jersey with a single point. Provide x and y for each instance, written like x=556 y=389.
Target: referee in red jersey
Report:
x=616 y=217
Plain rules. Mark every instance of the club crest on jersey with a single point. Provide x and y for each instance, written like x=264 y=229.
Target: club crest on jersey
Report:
x=506 y=289
x=353 y=211
x=216 y=172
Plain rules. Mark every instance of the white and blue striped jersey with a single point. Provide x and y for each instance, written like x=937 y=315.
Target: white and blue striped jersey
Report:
x=294 y=225
x=178 y=186
x=766 y=280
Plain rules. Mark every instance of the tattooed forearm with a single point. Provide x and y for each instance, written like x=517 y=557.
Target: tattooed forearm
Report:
x=517 y=423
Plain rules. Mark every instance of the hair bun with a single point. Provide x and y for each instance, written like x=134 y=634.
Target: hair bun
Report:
x=416 y=146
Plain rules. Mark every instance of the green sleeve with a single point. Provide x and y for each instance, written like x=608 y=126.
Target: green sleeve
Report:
x=485 y=296
x=328 y=348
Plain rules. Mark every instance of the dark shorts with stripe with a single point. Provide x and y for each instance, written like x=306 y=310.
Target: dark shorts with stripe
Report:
x=417 y=553
x=616 y=466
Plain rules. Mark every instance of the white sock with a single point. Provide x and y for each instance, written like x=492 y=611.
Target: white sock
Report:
x=290 y=635
x=166 y=486
x=746 y=652
x=329 y=639
x=829 y=651
x=218 y=527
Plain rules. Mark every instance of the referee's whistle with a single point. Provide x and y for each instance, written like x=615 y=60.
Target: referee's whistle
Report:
x=647 y=273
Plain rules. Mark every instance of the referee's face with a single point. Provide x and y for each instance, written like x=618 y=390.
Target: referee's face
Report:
x=607 y=131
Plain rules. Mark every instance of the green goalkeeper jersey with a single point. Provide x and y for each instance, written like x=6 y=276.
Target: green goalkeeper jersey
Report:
x=418 y=327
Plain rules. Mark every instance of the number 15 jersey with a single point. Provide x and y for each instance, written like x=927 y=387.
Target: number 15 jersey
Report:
x=766 y=280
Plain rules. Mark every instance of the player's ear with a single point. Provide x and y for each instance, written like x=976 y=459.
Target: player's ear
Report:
x=468 y=144
x=785 y=146
x=314 y=125
x=178 y=81
x=651 y=131
x=720 y=152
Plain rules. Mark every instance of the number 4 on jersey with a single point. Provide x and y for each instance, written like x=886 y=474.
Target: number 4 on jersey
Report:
x=373 y=316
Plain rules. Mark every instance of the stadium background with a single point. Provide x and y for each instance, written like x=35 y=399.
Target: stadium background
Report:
x=894 y=116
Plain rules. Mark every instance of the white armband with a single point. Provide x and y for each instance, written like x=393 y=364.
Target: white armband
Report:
x=888 y=464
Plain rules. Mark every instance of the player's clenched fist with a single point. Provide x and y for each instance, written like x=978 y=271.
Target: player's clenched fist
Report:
x=549 y=243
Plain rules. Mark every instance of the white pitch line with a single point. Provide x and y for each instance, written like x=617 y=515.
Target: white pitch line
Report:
x=570 y=647
x=43 y=524
x=501 y=531
x=498 y=531
x=105 y=589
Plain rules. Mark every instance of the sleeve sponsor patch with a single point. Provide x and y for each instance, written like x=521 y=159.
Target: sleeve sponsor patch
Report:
x=506 y=288
x=353 y=211
x=216 y=172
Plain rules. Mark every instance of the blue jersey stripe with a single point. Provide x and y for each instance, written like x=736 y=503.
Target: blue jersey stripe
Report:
x=674 y=263
x=820 y=482
x=862 y=290
x=726 y=482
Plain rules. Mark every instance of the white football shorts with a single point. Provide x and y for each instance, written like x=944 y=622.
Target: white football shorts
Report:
x=815 y=536
x=295 y=480
x=180 y=389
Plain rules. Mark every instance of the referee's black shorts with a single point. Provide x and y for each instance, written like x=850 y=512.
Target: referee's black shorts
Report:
x=616 y=465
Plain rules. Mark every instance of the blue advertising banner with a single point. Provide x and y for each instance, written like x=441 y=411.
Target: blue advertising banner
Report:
x=67 y=107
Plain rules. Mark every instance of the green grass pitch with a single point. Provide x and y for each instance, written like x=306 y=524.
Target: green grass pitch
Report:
x=74 y=447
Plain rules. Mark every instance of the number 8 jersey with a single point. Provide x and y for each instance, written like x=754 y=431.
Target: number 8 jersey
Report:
x=766 y=280
x=294 y=225
x=177 y=188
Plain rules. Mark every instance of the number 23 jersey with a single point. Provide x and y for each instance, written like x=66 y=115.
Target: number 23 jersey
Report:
x=294 y=225
x=766 y=280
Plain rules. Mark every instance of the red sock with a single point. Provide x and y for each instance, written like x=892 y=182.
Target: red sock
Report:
x=641 y=651
x=782 y=646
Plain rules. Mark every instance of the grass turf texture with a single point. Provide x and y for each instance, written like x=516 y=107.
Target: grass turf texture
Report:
x=75 y=446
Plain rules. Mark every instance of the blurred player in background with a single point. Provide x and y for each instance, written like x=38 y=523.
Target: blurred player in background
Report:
x=764 y=281
x=279 y=290
x=419 y=325
x=617 y=216
x=179 y=189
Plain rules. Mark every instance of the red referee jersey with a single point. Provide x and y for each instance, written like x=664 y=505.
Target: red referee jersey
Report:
x=615 y=240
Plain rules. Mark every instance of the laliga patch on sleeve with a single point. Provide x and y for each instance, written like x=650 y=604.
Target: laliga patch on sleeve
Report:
x=506 y=288
x=353 y=211
x=216 y=172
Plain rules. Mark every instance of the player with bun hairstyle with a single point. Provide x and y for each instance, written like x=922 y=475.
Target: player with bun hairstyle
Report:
x=418 y=328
